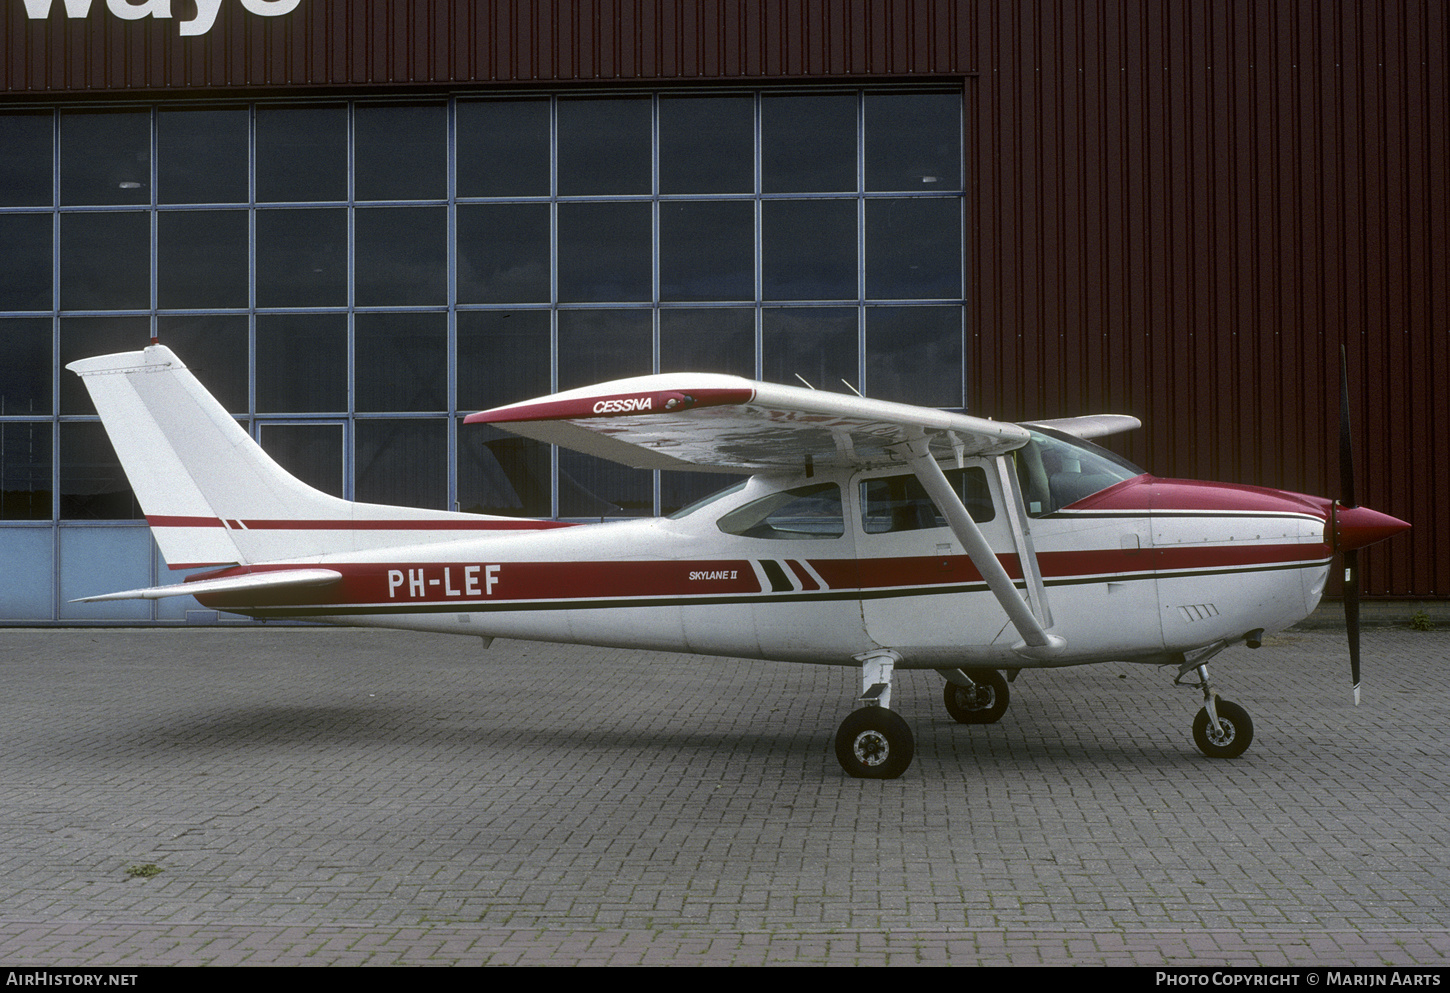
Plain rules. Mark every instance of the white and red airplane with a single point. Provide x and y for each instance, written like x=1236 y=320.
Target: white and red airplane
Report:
x=862 y=533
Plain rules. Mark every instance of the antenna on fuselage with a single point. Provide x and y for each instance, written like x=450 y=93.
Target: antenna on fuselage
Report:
x=803 y=380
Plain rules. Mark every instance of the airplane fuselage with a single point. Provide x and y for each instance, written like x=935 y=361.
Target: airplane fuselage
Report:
x=1140 y=571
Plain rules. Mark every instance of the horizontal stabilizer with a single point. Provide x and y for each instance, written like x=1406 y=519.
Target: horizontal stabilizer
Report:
x=227 y=584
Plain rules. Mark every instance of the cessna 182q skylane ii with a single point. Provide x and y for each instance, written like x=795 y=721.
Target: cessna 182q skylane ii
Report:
x=864 y=533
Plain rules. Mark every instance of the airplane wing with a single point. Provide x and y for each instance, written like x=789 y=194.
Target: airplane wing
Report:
x=1090 y=426
x=226 y=584
x=728 y=424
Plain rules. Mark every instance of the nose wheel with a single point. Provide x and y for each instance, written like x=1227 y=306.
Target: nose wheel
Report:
x=1230 y=738
x=1222 y=729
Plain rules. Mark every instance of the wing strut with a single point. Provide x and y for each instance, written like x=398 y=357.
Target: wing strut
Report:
x=1017 y=520
x=1036 y=642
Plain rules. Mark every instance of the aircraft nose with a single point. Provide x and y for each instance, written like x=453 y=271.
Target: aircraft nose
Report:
x=1350 y=528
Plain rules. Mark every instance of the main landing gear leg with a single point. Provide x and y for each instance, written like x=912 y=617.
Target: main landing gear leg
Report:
x=1222 y=729
x=874 y=742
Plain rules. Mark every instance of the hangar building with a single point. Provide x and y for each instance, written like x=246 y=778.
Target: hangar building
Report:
x=358 y=222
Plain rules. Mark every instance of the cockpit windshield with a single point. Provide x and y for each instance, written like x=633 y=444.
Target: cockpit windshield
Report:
x=1056 y=469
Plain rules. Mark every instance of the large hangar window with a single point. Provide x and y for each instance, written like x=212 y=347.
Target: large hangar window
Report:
x=381 y=268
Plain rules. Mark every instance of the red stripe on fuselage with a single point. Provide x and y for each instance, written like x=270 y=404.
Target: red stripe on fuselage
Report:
x=483 y=583
x=506 y=524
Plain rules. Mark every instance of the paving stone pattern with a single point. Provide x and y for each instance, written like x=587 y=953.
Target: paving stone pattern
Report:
x=345 y=797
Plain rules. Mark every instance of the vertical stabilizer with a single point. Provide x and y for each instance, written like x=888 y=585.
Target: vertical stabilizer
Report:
x=209 y=492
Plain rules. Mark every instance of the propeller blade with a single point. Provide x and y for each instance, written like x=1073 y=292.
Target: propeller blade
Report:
x=1346 y=450
x=1347 y=500
x=1351 y=615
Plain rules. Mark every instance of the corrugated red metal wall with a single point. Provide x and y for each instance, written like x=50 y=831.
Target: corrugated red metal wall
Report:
x=1182 y=210
x=1176 y=209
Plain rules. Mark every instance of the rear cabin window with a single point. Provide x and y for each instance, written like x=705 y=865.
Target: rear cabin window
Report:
x=899 y=503
x=802 y=513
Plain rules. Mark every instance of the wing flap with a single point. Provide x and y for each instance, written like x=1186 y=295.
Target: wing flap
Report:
x=729 y=424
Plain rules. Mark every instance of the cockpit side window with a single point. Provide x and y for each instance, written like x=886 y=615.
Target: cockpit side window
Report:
x=802 y=513
x=899 y=503
x=1055 y=470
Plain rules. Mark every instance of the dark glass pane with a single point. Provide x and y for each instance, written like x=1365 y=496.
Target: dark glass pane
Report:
x=707 y=250
x=214 y=348
x=25 y=464
x=808 y=249
x=402 y=462
x=808 y=143
x=714 y=340
x=87 y=337
x=301 y=153
x=914 y=355
x=402 y=152
x=311 y=452
x=817 y=344
x=401 y=362
x=913 y=142
x=598 y=489
x=503 y=253
x=503 y=148
x=201 y=156
x=600 y=345
x=302 y=258
x=105 y=260
x=680 y=489
x=105 y=158
x=93 y=487
x=26 y=158
x=25 y=374
x=914 y=249
x=703 y=340
x=25 y=261
x=301 y=363
x=707 y=144
x=201 y=258
x=604 y=146
x=500 y=473
x=604 y=252
x=596 y=346
x=402 y=256
x=503 y=357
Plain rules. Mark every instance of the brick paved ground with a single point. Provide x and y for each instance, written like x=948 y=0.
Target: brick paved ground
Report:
x=347 y=797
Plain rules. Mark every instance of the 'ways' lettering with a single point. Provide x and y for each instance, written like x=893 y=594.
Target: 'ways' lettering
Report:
x=206 y=10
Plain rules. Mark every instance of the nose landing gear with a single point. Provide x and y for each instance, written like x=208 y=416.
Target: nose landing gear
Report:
x=1222 y=729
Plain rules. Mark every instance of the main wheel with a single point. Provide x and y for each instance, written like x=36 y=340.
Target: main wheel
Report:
x=874 y=743
x=1236 y=731
x=983 y=704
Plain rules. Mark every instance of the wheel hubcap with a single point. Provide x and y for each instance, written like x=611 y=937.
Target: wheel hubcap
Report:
x=1223 y=735
x=978 y=699
x=871 y=747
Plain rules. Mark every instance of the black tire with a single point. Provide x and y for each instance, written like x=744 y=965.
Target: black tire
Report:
x=983 y=705
x=874 y=743
x=1230 y=743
